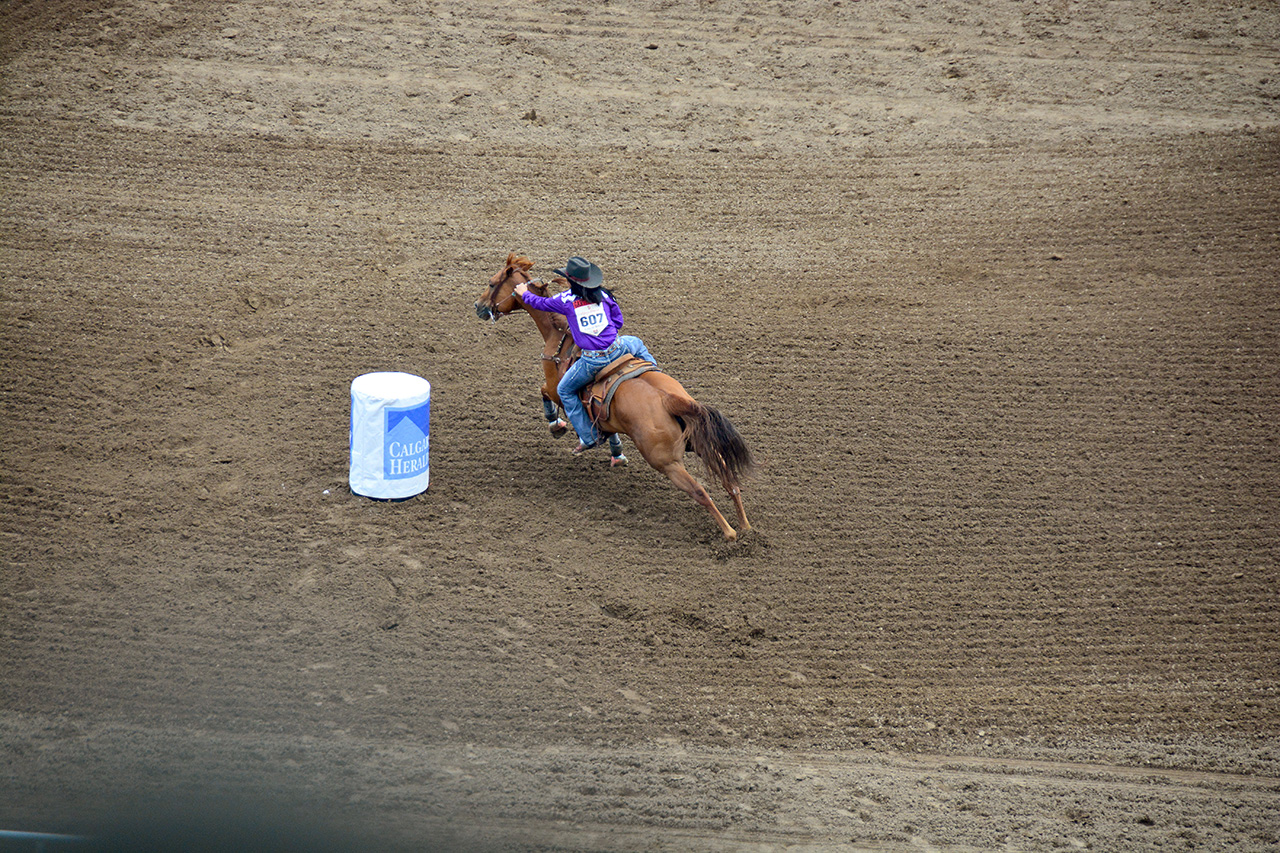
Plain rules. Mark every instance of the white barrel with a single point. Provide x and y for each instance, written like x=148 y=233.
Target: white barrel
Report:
x=390 y=435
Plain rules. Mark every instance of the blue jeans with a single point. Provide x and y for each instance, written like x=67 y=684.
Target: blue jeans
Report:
x=581 y=373
x=636 y=347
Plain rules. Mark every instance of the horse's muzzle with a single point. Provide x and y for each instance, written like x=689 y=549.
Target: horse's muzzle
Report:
x=483 y=311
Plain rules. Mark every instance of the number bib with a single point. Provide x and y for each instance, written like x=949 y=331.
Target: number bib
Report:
x=591 y=318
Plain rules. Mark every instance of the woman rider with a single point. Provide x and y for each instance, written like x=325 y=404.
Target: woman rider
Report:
x=595 y=321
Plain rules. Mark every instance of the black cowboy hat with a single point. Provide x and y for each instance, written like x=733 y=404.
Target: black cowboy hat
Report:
x=582 y=272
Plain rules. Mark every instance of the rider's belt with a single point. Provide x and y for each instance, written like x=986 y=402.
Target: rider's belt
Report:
x=613 y=350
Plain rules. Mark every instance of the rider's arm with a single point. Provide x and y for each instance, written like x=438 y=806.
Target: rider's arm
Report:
x=547 y=303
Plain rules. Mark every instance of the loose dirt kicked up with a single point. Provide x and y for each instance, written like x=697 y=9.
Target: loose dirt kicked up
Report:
x=989 y=290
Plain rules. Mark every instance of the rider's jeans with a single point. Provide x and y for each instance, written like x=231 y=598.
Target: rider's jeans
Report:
x=581 y=373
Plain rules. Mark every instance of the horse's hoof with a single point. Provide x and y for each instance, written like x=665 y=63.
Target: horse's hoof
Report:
x=617 y=460
x=558 y=429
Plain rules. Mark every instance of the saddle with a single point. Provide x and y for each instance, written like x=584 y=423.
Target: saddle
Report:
x=598 y=396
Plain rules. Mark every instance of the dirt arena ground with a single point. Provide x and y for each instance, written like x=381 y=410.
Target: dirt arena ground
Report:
x=991 y=289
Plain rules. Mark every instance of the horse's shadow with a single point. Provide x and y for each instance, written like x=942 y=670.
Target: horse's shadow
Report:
x=627 y=497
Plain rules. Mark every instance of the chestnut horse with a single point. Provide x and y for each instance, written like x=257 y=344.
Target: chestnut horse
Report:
x=661 y=418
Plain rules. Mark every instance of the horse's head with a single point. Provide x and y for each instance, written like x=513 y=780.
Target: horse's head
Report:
x=499 y=297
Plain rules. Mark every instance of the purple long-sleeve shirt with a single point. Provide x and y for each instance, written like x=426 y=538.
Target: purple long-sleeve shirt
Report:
x=594 y=327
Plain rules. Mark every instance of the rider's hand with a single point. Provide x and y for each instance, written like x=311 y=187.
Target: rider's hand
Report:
x=522 y=288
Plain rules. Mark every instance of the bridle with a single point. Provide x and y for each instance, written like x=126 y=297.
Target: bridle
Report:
x=494 y=287
x=491 y=309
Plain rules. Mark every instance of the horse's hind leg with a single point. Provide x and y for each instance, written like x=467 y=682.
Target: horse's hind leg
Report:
x=684 y=481
x=736 y=494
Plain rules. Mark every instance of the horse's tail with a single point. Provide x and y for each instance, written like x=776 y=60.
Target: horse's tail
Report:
x=715 y=441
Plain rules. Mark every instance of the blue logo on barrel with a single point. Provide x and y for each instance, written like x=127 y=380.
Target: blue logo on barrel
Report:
x=406 y=443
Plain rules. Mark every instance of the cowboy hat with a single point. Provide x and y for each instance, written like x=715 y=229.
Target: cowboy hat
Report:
x=583 y=272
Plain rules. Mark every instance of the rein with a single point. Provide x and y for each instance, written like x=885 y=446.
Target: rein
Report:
x=557 y=321
x=558 y=355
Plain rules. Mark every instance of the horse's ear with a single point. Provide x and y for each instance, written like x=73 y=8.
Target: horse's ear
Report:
x=511 y=259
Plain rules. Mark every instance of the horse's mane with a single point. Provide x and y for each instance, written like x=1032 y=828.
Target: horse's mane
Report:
x=520 y=262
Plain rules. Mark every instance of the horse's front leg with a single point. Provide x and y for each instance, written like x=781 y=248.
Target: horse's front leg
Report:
x=558 y=424
x=616 y=456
